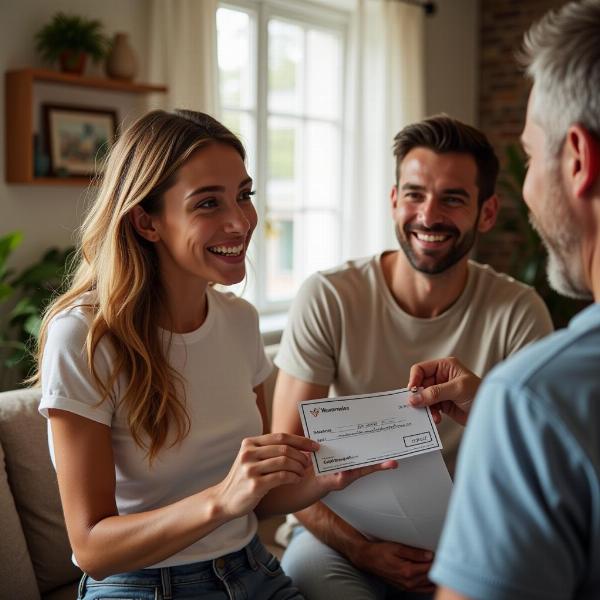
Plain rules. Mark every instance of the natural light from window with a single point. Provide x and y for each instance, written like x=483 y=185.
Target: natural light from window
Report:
x=281 y=91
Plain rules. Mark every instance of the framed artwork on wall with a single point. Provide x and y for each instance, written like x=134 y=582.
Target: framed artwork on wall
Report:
x=77 y=137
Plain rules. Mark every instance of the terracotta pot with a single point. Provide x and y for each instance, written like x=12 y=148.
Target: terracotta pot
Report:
x=121 y=62
x=72 y=61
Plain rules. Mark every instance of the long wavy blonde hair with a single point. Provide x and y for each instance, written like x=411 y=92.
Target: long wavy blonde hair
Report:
x=121 y=269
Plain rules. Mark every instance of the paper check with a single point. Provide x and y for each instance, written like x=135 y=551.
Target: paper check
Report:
x=356 y=431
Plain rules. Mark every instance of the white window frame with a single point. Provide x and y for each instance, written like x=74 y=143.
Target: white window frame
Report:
x=300 y=12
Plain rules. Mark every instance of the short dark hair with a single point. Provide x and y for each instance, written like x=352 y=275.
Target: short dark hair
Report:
x=442 y=134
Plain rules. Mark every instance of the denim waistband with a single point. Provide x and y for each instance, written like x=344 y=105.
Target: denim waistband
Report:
x=197 y=572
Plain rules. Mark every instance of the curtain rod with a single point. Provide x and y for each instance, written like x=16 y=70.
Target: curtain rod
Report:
x=428 y=7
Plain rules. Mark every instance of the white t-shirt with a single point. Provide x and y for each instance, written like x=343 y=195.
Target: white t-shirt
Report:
x=221 y=362
x=345 y=330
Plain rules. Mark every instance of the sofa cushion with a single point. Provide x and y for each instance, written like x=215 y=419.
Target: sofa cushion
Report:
x=16 y=571
x=32 y=480
x=67 y=592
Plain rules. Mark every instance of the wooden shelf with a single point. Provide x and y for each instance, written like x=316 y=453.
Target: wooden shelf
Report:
x=19 y=86
x=101 y=83
x=68 y=181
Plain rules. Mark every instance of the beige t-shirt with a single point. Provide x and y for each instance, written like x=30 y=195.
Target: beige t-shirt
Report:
x=346 y=330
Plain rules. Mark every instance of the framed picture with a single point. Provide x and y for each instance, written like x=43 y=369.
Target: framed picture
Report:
x=77 y=137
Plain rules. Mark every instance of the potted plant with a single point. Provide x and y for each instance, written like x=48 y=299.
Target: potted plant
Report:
x=70 y=39
x=23 y=297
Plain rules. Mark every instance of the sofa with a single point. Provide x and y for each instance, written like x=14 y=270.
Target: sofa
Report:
x=35 y=557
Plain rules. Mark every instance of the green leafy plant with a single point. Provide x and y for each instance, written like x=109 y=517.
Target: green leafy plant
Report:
x=529 y=254
x=8 y=243
x=25 y=296
x=8 y=345
x=71 y=35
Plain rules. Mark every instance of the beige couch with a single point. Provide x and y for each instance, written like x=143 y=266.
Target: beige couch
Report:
x=35 y=557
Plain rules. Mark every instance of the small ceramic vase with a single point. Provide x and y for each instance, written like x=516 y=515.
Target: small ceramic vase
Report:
x=121 y=62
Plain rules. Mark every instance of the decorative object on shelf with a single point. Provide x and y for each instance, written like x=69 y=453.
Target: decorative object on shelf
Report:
x=78 y=137
x=22 y=102
x=70 y=39
x=41 y=160
x=121 y=62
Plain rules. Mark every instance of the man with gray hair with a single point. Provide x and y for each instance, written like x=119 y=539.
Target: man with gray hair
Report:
x=524 y=519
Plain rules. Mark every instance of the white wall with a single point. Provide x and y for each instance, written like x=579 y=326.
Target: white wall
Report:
x=48 y=215
x=451 y=56
x=452 y=59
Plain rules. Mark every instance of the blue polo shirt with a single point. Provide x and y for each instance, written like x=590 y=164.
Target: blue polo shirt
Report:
x=524 y=518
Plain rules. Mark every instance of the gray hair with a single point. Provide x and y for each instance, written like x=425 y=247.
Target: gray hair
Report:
x=561 y=54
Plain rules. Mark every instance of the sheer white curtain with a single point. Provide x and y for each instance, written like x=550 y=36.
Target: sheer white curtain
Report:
x=183 y=54
x=386 y=92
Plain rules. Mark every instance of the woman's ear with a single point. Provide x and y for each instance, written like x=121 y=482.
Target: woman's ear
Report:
x=143 y=224
x=488 y=214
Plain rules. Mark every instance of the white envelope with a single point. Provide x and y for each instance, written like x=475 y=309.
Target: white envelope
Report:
x=405 y=505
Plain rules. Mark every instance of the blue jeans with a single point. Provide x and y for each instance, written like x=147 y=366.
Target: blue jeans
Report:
x=321 y=573
x=252 y=572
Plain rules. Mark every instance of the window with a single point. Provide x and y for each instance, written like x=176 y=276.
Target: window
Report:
x=281 y=74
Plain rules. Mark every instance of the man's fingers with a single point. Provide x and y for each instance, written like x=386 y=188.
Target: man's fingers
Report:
x=422 y=371
x=425 y=397
x=428 y=588
x=417 y=555
x=436 y=394
x=430 y=369
x=411 y=575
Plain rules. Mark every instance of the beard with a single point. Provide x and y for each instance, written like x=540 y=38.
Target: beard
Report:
x=428 y=263
x=557 y=227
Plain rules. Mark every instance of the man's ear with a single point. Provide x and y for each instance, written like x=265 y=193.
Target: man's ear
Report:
x=394 y=197
x=582 y=151
x=488 y=214
x=143 y=224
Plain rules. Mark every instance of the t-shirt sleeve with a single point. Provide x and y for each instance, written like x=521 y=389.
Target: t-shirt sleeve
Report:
x=517 y=518
x=67 y=381
x=530 y=321
x=308 y=344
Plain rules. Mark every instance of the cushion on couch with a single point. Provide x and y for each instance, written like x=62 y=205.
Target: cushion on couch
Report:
x=34 y=542
x=16 y=570
x=34 y=488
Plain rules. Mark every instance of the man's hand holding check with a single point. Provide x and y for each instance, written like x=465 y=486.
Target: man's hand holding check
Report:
x=366 y=430
x=356 y=431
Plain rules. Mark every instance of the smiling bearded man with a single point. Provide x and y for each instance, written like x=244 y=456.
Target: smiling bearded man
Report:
x=358 y=328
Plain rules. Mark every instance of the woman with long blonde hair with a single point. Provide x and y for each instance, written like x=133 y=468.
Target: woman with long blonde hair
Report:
x=152 y=380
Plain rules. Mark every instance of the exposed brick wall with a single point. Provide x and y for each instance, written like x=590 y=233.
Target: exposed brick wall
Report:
x=503 y=92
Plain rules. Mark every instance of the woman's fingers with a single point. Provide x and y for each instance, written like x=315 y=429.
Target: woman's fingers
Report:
x=261 y=453
x=262 y=463
x=278 y=463
x=343 y=479
x=288 y=439
x=276 y=452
